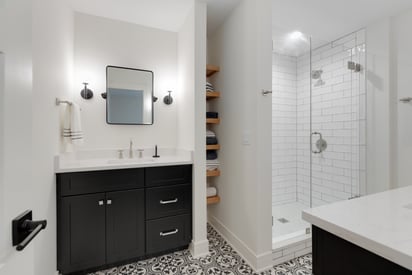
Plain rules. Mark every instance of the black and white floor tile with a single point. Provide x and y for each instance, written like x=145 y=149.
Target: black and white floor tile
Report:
x=223 y=260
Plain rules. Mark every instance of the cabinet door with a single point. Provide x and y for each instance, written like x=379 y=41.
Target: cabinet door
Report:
x=125 y=225
x=82 y=232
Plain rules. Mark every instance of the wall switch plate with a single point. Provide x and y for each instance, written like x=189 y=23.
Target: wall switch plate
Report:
x=246 y=138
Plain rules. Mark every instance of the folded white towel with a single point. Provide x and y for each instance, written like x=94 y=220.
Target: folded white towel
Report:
x=211 y=191
x=212 y=168
x=210 y=133
x=72 y=129
x=212 y=161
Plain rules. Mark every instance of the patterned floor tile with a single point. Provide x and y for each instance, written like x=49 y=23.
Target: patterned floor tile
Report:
x=222 y=260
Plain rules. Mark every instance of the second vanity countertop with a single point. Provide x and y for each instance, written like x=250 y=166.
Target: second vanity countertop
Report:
x=97 y=160
x=380 y=223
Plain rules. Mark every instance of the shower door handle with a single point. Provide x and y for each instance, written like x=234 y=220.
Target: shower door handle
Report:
x=311 y=141
x=321 y=144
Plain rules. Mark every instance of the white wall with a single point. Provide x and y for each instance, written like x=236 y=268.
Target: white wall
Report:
x=52 y=77
x=16 y=147
x=191 y=114
x=100 y=42
x=378 y=94
x=284 y=129
x=242 y=48
x=3 y=238
x=401 y=69
x=389 y=154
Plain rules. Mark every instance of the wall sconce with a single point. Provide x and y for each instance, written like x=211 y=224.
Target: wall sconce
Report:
x=168 y=99
x=86 y=93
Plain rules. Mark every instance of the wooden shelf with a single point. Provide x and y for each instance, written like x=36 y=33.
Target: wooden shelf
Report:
x=212 y=120
x=213 y=147
x=211 y=70
x=212 y=95
x=213 y=200
x=213 y=173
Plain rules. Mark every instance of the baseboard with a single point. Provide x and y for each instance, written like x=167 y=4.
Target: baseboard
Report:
x=199 y=249
x=259 y=262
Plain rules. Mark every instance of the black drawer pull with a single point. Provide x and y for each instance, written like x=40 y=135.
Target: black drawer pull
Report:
x=167 y=233
x=169 y=201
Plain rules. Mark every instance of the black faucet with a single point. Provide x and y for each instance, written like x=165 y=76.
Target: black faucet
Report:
x=156 y=155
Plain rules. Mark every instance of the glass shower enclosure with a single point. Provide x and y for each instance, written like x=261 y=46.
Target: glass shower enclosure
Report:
x=318 y=129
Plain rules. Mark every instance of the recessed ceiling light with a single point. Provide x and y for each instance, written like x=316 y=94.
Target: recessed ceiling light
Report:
x=296 y=35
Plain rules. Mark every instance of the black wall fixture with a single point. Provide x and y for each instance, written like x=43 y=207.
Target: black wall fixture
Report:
x=24 y=229
x=168 y=99
x=86 y=93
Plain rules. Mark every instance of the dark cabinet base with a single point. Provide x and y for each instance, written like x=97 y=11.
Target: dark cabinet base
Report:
x=334 y=255
x=115 y=217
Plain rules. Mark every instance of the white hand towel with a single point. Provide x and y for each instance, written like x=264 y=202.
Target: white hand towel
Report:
x=72 y=131
x=66 y=125
x=211 y=191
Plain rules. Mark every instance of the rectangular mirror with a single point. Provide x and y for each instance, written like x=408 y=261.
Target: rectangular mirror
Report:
x=129 y=96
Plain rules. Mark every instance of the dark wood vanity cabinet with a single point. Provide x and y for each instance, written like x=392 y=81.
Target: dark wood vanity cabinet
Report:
x=109 y=217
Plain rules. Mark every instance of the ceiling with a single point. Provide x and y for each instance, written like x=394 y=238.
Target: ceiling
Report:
x=217 y=11
x=167 y=15
x=323 y=20
x=327 y=20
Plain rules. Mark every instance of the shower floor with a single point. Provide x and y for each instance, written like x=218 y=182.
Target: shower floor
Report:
x=287 y=222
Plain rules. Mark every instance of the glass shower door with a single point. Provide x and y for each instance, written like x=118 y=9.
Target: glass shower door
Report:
x=337 y=120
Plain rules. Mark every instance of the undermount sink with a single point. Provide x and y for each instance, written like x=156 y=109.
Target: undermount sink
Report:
x=133 y=160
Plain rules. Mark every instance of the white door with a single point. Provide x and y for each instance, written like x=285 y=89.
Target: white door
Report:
x=16 y=188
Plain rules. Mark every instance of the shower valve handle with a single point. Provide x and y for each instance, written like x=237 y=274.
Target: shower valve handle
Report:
x=321 y=144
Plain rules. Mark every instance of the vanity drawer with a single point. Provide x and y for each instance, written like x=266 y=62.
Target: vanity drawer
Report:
x=69 y=184
x=168 y=175
x=168 y=233
x=168 y=201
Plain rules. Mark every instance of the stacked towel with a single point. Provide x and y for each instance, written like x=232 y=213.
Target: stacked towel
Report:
x=72 y=129
x=209 y=87
x=212 y=114
x=211 y=138
x=210 y=133
x=211 y=155
x=212 y=164
x=211 y=191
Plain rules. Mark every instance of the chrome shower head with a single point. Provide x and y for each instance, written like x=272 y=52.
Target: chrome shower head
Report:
x=316 y=74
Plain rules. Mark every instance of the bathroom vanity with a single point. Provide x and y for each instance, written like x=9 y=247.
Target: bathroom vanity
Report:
x=121 y=212
x=368 y=235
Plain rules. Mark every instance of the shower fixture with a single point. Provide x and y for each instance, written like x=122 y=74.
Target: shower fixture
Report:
x=356 y=67
x=317 y=74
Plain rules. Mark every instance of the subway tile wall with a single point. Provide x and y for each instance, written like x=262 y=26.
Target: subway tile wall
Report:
x=338 y=113
x=284 y=131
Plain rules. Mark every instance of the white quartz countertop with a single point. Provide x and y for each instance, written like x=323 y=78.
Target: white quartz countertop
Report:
x=380 y=223
x=109 y=160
